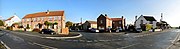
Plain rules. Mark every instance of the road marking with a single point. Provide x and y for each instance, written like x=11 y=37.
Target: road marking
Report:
x=29 y=35
x=142 y=35
x=128 y=46
x=5 y=45
x=43 y=46
x=176 y=38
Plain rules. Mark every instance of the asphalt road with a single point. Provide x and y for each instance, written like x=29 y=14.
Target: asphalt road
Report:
x=155 y=40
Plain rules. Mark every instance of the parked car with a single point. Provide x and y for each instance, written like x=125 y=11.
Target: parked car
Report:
x=94 y=30
x=47 y=31
x=138 y=30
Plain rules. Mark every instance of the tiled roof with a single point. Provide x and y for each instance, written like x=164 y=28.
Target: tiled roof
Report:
x=92 y=22
x=43 y=14
x=116 y=19
x=9 y=18
x=149 y=18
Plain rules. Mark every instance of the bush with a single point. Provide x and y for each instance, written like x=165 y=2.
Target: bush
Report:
x=36 y=30
x=9 y=28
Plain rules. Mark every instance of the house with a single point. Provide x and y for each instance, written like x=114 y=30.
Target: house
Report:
x=89 y=24
x=13 y=19
x=143 y=20
x=105 y=23
x=50 y=19
x=76 y=26
x=118 y=23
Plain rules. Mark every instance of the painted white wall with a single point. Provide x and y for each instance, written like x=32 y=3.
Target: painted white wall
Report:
x=138 y=22
x=93 y=25
x=15 y=19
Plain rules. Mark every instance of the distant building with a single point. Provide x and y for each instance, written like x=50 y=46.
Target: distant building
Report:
x=13 y=19
x=143 y=20
x=105 y=23
x=118 y=22
x=89 y=24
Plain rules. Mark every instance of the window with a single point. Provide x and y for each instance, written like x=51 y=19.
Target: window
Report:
x=59 y=17
x=50 y=18
x=56 y=17
x=119 y=22
x=141 y=21
x=27 y=20
x=34 y=19
x=38 y=19
x=150 y=22
x=42 y=19
x=101 y=21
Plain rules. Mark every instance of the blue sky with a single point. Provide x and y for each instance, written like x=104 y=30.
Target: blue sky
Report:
x=91 y=9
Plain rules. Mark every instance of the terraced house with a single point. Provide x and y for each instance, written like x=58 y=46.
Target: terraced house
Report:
x=56 y=20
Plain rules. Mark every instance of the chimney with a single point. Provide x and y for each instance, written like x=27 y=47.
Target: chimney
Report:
x=122 y=17
x=47 y=12
x=105 y=14
x=135 y=18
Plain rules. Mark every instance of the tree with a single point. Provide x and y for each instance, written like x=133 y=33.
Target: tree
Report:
x=55 y=23
x=1 y=23
x=68 y=24
x=46 y=23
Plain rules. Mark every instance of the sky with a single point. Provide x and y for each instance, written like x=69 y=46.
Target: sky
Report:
x=91 y=9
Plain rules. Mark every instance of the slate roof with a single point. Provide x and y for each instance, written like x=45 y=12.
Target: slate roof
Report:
x=149 y=18
x=116 y=19
x=92 y=22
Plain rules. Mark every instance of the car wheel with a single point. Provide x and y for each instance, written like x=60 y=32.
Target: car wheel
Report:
x=52 y=33
x=42 y=32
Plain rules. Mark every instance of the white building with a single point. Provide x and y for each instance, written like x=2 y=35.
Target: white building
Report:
x=142 y=20
x=11 y=20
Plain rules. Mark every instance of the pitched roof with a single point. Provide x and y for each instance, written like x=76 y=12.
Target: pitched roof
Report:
x=43 y=14
x=92 y=22
x=116 y=19
x=9 y=18
x=149 y=18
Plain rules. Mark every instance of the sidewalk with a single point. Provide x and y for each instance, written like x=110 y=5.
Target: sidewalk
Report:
x=176 y=43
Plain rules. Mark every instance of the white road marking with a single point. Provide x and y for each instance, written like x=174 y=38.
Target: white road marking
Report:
x=29 y=35
x=43 y=46
x=128 y=46
x=147 y=34
x=5 y=45
x=173 y=41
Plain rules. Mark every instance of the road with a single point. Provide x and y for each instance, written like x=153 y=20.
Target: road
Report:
x=155 y=40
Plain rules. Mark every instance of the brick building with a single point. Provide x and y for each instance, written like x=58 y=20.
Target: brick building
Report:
x=105 y=23
x=36 y=19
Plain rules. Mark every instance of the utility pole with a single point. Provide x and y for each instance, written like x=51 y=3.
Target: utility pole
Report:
x=81 y=20
x=161 y=17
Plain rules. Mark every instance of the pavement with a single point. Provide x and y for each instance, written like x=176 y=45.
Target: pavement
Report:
x=155 y=40
x=175 y=43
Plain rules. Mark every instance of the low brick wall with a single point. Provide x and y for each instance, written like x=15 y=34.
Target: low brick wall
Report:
x=65 y=31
